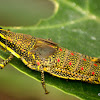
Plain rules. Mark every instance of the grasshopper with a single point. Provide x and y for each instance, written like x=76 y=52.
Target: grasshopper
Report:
x=46 y=56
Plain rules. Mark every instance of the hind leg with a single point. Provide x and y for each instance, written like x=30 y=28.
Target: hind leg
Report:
x=43 y=81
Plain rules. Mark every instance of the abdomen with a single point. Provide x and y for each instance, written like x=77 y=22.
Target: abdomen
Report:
x=75 y=66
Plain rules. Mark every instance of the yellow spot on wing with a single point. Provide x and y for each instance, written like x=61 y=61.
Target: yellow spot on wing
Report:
x=33 y=56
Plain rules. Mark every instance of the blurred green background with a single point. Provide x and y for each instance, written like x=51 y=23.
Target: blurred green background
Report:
x=13 y=84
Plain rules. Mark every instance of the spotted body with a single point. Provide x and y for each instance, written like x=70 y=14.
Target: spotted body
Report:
x=46 y=56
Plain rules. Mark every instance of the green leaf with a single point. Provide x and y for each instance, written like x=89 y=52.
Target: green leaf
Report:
x=75 y=25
